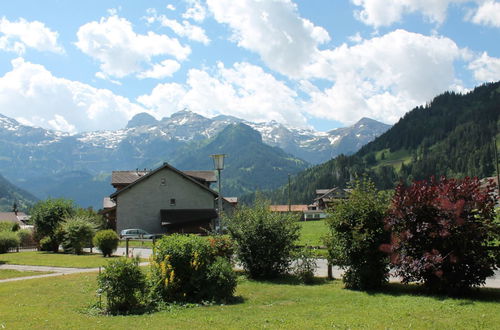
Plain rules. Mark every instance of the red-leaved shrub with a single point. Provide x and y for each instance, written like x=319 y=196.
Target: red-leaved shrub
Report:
x=441 y=232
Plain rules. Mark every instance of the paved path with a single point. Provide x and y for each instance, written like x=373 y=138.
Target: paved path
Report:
x=321 y=270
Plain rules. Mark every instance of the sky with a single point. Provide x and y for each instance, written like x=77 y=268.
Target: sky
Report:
x=91 y=65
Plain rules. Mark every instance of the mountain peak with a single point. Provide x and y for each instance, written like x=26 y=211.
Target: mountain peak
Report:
x=141 y=119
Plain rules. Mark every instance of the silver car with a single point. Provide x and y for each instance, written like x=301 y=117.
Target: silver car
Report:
x=136 y=233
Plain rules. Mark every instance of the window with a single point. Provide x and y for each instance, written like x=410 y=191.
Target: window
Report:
x=163 y=181
x=172 y=201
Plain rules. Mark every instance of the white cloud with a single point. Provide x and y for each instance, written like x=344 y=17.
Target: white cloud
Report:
x=384 y=77
x=488 y=13
x=244 y=91
x=196 y=11
x=274 y=30
x=486 y=68
x=121 y=51
x=19 y=35
x=31 y=94
x=161 y=70
x=183 y=29
x=387 y=12
x=171 y=7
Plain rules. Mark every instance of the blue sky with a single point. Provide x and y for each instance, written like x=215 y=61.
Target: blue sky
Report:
x=80 y=66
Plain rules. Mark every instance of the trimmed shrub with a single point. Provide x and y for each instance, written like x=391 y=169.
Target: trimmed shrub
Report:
x=356 y=236
x=106 y=241
x=26 y=238
x=304 y=265
x=264 y=239
x=78 y=234
x=123 y=283
x=184 y=268
x=441 y=233
x=8 y=240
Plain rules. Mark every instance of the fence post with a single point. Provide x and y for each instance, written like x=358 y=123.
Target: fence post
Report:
x=126 y=246
x=330 y=271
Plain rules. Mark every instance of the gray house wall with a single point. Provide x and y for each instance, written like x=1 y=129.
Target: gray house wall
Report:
x=139 y=206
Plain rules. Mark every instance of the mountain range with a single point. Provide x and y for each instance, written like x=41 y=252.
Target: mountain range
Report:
x=51 y=163
x=453 y=135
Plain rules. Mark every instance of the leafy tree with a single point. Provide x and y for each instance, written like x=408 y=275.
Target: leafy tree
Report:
x=441 y=233
x=357 y=234
x=94 y=218
x=47 y=217
x=78 y=234
x=264 y=239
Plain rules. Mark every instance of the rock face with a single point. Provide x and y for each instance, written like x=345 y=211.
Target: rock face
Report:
x=57 y=164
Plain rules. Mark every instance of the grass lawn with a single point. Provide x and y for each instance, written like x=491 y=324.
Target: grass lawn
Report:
x=61 y=303
x=39 y=258
x=312 y=232
x=11 y=273
x=137 y=244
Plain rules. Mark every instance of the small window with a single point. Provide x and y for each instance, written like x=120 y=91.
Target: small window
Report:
x=163 y=181
x=172 y=201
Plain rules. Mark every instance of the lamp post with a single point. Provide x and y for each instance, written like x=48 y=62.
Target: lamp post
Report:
x=218 y=165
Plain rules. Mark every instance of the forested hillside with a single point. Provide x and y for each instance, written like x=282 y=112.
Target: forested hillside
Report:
x=453 y=135
x=9 y=194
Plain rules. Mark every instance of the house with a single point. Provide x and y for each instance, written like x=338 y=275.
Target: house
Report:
x=326 y=198
x=297 y=209
x=15 y=217
x=163 y=200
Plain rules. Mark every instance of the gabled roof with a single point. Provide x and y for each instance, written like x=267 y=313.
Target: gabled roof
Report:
x=208 y=176
x=325 y=192
x=126 y=177
x=13 y=217
x=165 y=165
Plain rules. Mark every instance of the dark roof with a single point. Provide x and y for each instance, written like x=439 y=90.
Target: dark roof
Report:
x=165 y=165
x=208 y=176
x=325 y=192
x=126 y=177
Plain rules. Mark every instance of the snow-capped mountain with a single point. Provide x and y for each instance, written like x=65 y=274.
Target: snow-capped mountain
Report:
x=53 y=163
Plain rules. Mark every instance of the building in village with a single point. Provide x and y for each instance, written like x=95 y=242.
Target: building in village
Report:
x=164 y=200
x=324 y=200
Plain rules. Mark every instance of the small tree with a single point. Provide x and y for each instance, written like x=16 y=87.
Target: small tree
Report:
x=264 y=239
x=106 y=241
x=47 y=217
x=356 y=236
x=441 y=232
x=78 y=233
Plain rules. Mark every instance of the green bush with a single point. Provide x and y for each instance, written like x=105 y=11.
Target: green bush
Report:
x=8 y=226
x=106 y=241
x=48 y=244
x=78 y=234
x=304 y=265
x=26 y=237
x=264 y=239
x=123 y=283
x=222 y=246
x=185 y=268
x=356 y=236
x=8 y=240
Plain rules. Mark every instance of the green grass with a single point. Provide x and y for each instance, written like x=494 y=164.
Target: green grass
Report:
x=62 y=303
x=12 y=273
x=53 y=259
x=312 y=233
x=137 y=244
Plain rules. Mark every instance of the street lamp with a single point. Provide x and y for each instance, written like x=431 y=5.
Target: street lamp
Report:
x=219 y=165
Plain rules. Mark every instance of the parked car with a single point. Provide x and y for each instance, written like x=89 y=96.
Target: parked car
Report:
x=136 y=233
